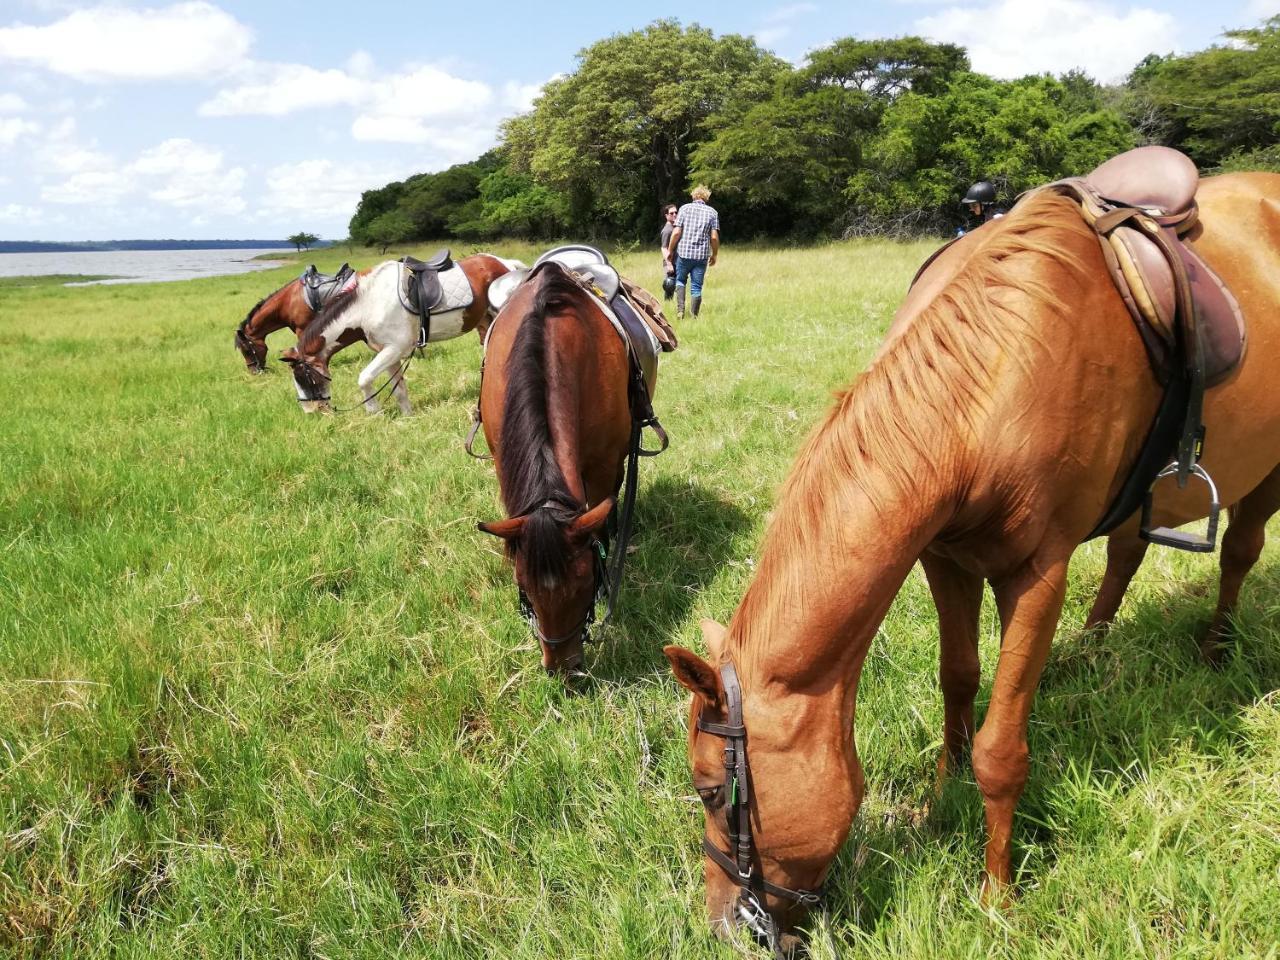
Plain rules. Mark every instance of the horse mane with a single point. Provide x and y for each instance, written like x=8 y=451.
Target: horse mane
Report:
x=531 y=480
x=244 y=324
x=892 y=433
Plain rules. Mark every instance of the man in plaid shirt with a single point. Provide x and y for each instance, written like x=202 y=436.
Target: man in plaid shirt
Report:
x=694 y=245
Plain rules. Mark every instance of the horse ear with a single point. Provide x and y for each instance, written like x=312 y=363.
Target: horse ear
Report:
x=507 y=529
x=290 y=356
x=713 y=635
x=591 y=521
x=695 y=674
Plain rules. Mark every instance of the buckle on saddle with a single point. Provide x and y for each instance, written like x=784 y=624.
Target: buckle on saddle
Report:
x=1180 y=540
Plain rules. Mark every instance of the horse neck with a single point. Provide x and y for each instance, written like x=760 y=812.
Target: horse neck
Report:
x=841 y=543
x=272 y=314
x=323 y=336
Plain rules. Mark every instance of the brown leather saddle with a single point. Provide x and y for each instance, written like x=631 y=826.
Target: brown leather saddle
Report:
x=1141 y=204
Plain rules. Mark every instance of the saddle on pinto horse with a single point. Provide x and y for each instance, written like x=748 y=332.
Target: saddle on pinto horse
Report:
x=1140 y=204
x=434 y=286
x=319 y=288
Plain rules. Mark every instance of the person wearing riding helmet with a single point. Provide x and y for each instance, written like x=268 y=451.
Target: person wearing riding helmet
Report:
x=981 y=201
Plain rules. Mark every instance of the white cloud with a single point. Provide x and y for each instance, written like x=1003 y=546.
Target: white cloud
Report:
x=186 y=40
x=778 y=21
x=322 y=188
x=13 y=129
x=12 y=103
x=1260 y=10
x=19 y=213
x=287 y=89
x=1013 y=38
x=177 y=172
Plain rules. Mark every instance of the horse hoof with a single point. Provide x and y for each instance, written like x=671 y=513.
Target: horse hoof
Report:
x=309 y=406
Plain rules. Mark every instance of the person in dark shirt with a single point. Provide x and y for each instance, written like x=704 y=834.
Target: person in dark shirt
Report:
x=668 y=266
x=981 y=201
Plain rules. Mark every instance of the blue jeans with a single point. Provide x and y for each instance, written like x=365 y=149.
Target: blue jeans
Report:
x=695 y=270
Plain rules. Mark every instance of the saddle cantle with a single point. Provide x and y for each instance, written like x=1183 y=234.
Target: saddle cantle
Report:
x=319 y=288
x=434 y=286
x=1139 y=204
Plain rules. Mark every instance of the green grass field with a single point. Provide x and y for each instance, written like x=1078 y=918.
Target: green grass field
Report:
x=264 y=690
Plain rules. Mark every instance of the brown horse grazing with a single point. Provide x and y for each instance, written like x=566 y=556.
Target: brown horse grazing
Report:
x=986 y=440
x=286 y=307
x=376 y=311
x=557 y=417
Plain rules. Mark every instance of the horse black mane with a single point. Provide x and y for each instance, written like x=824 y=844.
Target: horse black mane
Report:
x=532 y=482
x=258 y=306
x=327 y=315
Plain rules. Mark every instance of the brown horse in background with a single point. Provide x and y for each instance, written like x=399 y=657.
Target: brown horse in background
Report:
x=985 y=440
x=555 y=407
x=286 y=307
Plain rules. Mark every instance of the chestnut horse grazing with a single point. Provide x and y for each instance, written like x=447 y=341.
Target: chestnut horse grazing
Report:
x=986 y=440
x=558 y=407
x=378 y=312
x=287 y=307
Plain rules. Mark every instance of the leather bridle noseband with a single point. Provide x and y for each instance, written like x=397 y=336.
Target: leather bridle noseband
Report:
x=601 y=592
x=738 y=864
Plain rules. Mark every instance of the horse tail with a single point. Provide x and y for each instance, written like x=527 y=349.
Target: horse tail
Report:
x=532 y=484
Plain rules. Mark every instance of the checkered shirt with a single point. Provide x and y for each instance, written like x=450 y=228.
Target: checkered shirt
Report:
x=696 y=221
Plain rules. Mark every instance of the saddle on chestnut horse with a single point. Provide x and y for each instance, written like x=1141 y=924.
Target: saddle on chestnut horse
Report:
x=319 y=288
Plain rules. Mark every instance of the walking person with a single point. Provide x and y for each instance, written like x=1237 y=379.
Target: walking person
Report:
x=668 y=267
x=694 y=244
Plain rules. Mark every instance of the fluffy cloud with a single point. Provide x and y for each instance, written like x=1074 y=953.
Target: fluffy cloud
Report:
x=12 y=103
x=1012 y=38
x=13 y=129
x=186 y=40
x=322 y=187
x=287 y=88
x=777 y=22
x=177 y=172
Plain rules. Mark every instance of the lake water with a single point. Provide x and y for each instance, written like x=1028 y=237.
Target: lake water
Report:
x=139 y=266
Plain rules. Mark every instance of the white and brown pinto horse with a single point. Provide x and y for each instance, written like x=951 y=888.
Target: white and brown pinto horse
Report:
x=377 y=311
x=985 y=440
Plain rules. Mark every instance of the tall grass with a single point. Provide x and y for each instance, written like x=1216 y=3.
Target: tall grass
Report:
x=264 y=690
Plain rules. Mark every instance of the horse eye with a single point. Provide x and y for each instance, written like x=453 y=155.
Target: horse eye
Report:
x=711 y=795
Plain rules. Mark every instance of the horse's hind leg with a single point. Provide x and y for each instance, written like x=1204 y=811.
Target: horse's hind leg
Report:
x=957 y=594
x=1241 y=547
x=1124 y=555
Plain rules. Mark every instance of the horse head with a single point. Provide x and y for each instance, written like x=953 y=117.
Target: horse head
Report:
x=253 y=351
x=310 y=378
x=558 y=556
x=776 y=815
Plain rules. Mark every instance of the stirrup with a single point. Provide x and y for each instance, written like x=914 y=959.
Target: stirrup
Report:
x=1179 y=540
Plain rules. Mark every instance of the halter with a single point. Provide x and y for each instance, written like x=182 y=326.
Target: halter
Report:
x=738 y=864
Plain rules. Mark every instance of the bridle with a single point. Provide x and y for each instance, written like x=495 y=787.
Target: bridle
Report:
x=601 y=592
x=738 y=863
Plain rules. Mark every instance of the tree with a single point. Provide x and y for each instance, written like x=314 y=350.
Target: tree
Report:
x=1215 y=103
x=392 y=227
x=613 y=138
x=783 y=165
x=303 y=241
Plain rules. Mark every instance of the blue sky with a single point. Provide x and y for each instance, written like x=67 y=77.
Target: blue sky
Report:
x=229 y=118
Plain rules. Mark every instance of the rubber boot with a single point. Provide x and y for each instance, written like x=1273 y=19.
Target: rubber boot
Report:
x=697 y=305
x=680 y=302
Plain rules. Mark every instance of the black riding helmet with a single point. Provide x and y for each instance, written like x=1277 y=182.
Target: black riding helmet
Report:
x=980 y=192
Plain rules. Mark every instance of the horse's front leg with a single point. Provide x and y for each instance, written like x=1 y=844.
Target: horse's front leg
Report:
x=386 y=359
x=957 y=593
x=1029 y=602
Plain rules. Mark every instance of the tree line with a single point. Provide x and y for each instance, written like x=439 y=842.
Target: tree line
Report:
x=866 y=137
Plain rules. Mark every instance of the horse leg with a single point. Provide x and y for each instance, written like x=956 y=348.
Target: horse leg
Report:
x=1241 y=547
x=1029 y=602
x=1124 y=555
x=382 y=363
x=957 y=593
x=401 y=391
